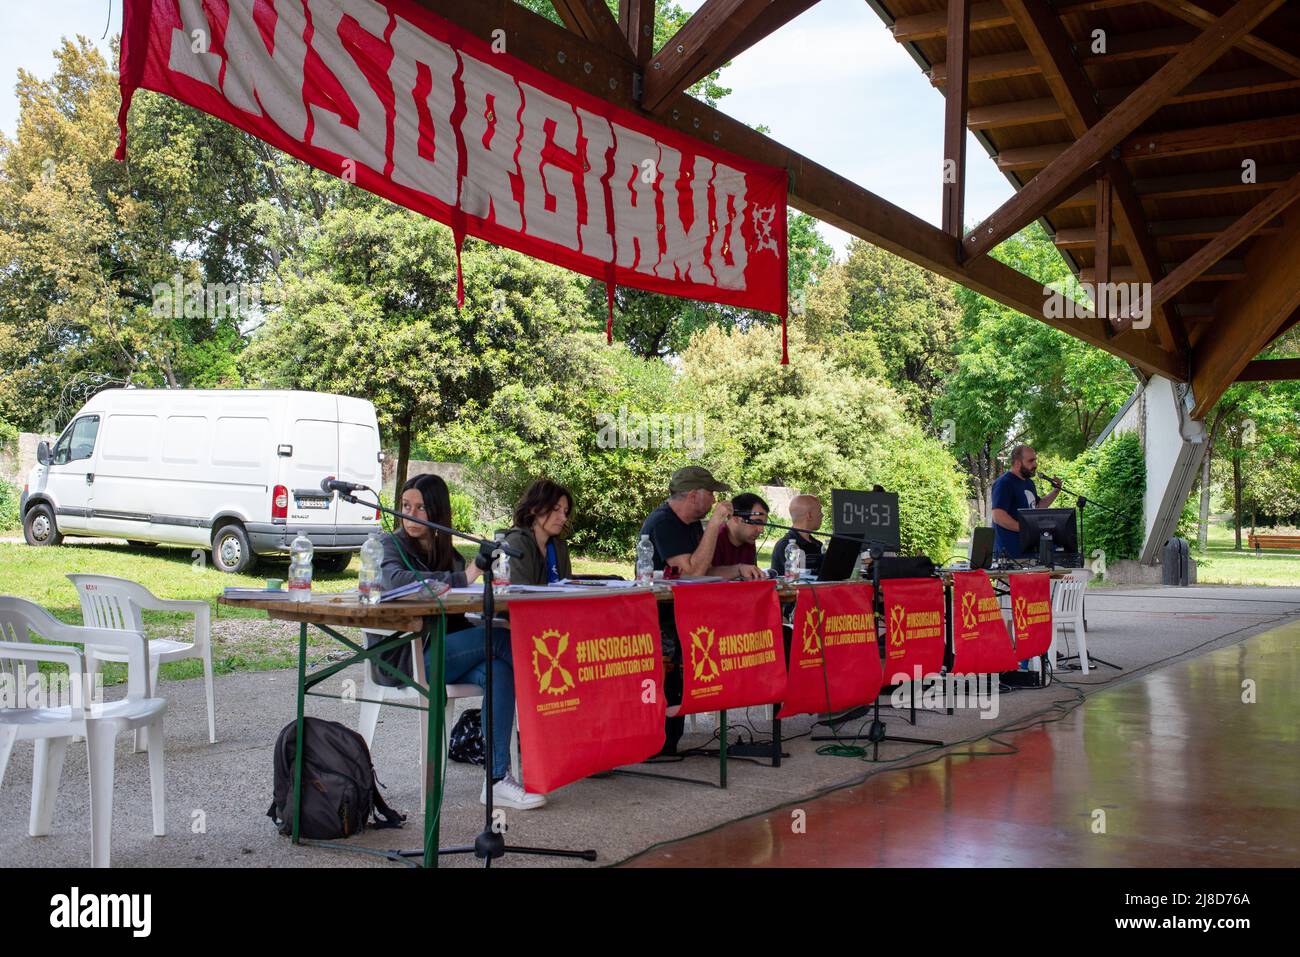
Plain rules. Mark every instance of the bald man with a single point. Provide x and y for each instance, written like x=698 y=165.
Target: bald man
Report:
x=805 y=512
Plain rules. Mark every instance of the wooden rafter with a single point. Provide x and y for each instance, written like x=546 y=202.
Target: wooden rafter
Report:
x=1270 y=370
x=1103 y=230
x=592 y=20
x=1213 y=252
x=1050 y=45
x=1198 y=16
x=1249 y=314
x=697 y=49
x=636 y=18
x=954 y=120
x=1036 y=196
x=832 y=198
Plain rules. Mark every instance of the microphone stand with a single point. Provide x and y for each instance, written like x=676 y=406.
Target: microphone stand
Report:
x=1081 y=502
x=490 y=843
x=876 y=733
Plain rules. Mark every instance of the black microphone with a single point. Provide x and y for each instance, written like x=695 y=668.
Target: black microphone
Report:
x=330 y=484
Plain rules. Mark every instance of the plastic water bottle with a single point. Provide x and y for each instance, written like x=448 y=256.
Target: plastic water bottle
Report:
x=645 y=561
x=794 y=564
x=372 y=560
x=300 y=553
x=500 y=569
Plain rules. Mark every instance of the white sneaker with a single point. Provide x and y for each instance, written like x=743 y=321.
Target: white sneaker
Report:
x=510 y=793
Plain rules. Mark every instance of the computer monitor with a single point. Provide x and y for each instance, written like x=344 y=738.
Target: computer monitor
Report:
x=981 y=547
x=1050 y=534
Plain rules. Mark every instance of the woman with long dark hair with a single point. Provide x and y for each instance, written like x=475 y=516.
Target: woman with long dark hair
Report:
x=415 y=553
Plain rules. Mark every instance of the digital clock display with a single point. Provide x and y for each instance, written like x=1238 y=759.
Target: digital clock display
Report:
x=871 y=515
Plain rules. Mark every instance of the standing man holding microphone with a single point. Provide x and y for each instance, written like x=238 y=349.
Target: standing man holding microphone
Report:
x=1014 y=490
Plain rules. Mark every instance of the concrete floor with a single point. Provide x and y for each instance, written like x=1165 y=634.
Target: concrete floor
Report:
x=218 y=794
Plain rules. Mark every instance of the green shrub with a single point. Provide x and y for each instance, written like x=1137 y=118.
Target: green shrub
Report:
x=1114 y=476
x=8 y=436
x=931 y=494
x=8 y=506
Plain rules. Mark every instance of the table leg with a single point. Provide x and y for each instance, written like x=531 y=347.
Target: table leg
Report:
x=722 y=749
x=298 y=748
x=433 y=754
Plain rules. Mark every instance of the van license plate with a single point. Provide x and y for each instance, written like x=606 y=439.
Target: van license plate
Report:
x=313 y=502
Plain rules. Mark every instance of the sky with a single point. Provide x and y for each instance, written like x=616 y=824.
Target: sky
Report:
x=832 y=85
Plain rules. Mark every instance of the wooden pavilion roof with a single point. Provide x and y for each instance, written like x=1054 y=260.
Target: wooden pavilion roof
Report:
x=1123 y=124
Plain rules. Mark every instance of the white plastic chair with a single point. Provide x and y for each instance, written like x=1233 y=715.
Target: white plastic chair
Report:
x=51 y=728
x=378 y=693
x=108 y=602
x=1067 y=610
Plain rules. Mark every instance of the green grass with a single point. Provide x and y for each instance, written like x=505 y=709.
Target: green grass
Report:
x=1221 y=564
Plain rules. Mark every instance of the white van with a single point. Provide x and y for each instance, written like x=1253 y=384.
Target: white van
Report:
x=234 y=471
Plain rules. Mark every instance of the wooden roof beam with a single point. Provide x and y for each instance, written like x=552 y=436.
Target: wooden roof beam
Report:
x=1249 y=313
x=704 y=42
x=1270 y=370
x=592 y=20
x=815 y=190
x=1198 y=16
x=636 y=18
x=1036 y=196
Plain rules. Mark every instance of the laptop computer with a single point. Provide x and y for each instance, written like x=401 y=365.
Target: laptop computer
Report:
x=981 y=547
x=840 y=560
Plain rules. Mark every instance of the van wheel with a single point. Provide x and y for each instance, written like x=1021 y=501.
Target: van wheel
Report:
x=39 y=527
x=333 y=562
x=231 y=551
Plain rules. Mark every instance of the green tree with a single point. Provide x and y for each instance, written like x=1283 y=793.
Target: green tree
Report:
x=374 y=315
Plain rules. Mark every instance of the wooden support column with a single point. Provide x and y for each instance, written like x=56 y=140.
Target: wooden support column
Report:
x=954 y=118
x=1101 y=270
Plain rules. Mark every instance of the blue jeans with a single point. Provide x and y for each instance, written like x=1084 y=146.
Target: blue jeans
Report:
x=465 y=664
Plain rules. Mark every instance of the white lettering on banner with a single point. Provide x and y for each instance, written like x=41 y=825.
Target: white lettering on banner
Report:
x=550 y=203
x=204 y=66
x=598 y=141
x=727 y=254
x=434 y=121
x=685 y=246
x=264 y=83
x=366 y=140
x=424 y=97
x=636 y=220
x=491 y=134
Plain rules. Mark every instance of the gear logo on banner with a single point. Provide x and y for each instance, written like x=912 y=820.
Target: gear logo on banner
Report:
x=702 y=650
x=1022 y=619
x=968 y=617
x=555 y=679
x=897 y=625
x=813 y=623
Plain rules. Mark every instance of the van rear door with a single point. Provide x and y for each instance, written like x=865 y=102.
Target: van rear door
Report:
x=313 y=433
x=358 y=457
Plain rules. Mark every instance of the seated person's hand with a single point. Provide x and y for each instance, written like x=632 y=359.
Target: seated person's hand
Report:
x=721 y=513
x=750 y=573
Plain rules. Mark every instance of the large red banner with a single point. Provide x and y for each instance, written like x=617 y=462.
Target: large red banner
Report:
x=1031 y=613
x=588 y=685
x=914 y=642
x=733 y=654
x=980 y=642
x=411 y=107
x=834 y=657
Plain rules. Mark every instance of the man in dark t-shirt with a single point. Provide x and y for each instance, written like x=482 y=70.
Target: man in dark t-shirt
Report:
x=1014 y=490
x=681 y=540
x=805 y=512
x=736 y=554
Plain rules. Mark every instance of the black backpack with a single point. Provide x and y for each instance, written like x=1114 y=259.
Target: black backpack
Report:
x=466 y=745
x=339 y=788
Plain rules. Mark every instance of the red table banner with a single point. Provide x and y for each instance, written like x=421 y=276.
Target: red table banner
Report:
x=834 y=657
x=415 y=109
x=914 y=642
x=981 y=644
x=1031 y=613
x=589 y=680
x=733 y=653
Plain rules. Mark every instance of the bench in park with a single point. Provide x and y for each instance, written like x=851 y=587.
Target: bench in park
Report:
x=1274 y=541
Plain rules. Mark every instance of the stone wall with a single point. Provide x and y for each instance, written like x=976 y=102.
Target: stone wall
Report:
x=16 y=463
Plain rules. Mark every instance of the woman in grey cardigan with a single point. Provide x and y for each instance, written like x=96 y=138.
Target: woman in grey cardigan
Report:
x=540 y=519
x=416 y=553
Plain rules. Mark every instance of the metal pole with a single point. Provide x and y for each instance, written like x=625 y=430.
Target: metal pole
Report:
x=298 y=743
